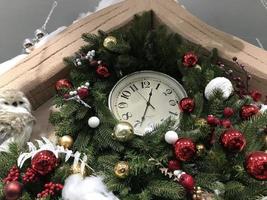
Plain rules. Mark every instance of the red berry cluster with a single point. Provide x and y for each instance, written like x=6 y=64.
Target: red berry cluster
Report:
x=30 y=176
x=50 y=189
x=13 y=175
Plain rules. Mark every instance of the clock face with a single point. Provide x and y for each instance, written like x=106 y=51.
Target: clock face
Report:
x=145 y=99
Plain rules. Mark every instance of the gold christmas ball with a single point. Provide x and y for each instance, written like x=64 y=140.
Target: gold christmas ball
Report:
x=265 y=140
x=122 y=169
x=123 y=132
x=200 y=149
x=76 y=169
x=66 y=141
x=201 y=122
x=109 y=42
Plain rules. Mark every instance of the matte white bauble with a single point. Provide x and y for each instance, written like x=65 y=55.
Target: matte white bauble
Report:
x=171 y=137
x=94 y=122
x=219 y=84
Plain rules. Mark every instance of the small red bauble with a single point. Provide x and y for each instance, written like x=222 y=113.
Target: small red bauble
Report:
x=44 y=162
x=187 y=105
x=248 y=111
x=228 y=112
x=256 y=165
x=226 y=123
x=12 y=190
x=174 y=165
x=184 y=149
x=102 y=71
x=212 y=120
x=63 y=84
x=233 y=140
x=190 y=59
x=256 y=95
x=83 y=93
x=187 y=181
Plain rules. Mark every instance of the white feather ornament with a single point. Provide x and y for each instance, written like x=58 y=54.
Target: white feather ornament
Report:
x=219 y=84
x=90 y=188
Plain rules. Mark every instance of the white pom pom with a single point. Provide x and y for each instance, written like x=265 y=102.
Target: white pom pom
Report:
x=263 y=108
x=87 y=84
x=219 y=84
x=93 y=122
x=171 y=137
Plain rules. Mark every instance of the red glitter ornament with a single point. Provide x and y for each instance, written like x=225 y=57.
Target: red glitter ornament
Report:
x=83 y=93
x=228 y=112
x=13 y=190
x=103 y=71
x=44 y=162
x=174 y=165
x=190 y=59
x=256 y=95
x=212 y=120
x=13 y=175
x=184 y=149
x=187 y=105
x=233 y=140
x=256 y=165
x=63 y=84
x=248 y=111
x=187 y=181
x=226 y=123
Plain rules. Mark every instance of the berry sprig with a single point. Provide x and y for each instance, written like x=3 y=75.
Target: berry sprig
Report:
x=30 y=176
x=13 y=175
x=50 y=189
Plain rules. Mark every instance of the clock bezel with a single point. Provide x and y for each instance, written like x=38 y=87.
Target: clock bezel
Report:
x=181 y=88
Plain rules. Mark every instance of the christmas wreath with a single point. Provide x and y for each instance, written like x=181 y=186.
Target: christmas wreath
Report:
x=210 y=146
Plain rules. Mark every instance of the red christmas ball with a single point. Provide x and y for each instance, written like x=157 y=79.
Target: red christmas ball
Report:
x=212 y=120
x=256 y=165
x=187 y=105
x=174 y=165
x=190 y=59
x=228 y=112
x=63 y=84
x=83 y=93
x=226 y=123
x=44 y=162
x=103 y=71
x=12 y=190
x=233 y=140
x=248 y=111
x=187 y=181
x=184 y=149
x=256 y=95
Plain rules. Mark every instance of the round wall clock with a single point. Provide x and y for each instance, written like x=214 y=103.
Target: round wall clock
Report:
x=145 y=99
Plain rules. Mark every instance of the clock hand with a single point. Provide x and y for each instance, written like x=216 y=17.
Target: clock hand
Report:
x=146 y=100
x=147 y=104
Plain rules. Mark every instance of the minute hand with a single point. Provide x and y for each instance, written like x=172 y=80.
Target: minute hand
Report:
x=147 y=104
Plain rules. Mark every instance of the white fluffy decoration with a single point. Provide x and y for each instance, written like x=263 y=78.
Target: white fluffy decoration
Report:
x=171 y=137
x=220 y=83
x=89 y=188
x=263 y=108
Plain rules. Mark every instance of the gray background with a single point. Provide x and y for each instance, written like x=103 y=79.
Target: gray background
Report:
x=20 y=18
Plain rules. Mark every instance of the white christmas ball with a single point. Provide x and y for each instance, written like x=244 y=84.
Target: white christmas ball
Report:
x=171 y=137
x=219 y=84
x=94 y=122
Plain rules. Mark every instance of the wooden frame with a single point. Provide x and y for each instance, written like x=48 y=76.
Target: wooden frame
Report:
x=38 y=72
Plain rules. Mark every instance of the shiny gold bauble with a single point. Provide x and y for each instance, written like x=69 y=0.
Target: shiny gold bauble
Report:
x=200 y=149
x=66 y=141
x=199 y=194
x=265 y=140
x=122 y=169
x=76 y=169
x=109 y=42
x=123 y=132
x=201 y=122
